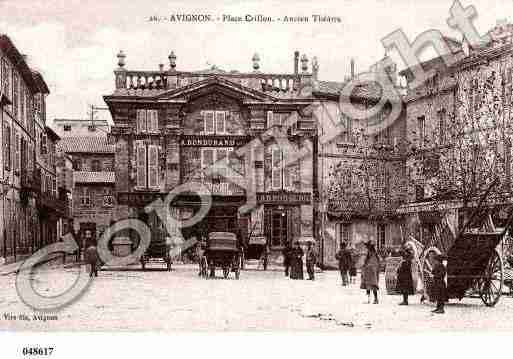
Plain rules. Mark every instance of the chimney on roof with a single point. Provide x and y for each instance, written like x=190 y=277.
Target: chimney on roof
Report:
x=296 y=62
x=121 y=59
x=304 y=63
x=172 y=61
x=256 y=60
x=315 y=68
x=352 y=69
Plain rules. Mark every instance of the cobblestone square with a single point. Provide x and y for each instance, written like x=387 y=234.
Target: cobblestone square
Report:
x=133 y=300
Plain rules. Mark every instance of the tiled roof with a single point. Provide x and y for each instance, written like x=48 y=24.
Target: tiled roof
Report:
x=365 y=91
x=86 y=145
x=93 y=177
x=331 y=87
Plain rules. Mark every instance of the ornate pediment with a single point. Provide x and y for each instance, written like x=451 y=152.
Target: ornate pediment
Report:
x=215 y=85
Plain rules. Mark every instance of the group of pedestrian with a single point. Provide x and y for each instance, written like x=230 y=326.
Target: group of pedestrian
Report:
x=293 y=261
x=369 y=271
x=408 y=279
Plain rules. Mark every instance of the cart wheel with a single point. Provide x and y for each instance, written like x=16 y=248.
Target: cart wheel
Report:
x=490 y=286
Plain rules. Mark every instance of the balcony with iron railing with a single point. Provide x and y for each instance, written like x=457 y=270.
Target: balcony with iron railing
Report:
x=30 y=181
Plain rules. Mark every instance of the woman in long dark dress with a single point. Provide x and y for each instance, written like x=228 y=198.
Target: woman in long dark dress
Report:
x=404 y=277
x=370 y=272
x=439 y=285
x=296 y=262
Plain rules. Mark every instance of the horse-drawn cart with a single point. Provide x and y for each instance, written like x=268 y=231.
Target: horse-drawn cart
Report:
x=473 y=263
x=223 y=252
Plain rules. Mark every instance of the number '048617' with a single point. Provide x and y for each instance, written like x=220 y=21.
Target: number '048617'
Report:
x=37 y=351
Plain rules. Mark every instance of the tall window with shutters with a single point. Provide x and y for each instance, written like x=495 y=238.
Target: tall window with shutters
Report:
x=153 y=161
x=275 y=119
x=421 y=128
x=208 y=122
x=23 y=119
x=214 y=122
x=147 y=172
x=282 y=174
x=6 y=78
x=220 y=122
x=147 y=121
x=276 y=170
x=141 y=165
x=17 y=153
x=442 y=127
x=85 y=197
x=221 y=159
x=152 y=121
x=381 y=235
x=15 y=91
x=44 y=148
x=29 y=113
x=7 y=147
x=140 y=121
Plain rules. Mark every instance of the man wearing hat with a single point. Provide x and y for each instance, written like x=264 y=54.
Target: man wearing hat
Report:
x=439 y=286
x=296 y=261
x=311 y=260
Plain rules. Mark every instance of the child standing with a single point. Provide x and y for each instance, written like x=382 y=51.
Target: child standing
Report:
x=404 y=277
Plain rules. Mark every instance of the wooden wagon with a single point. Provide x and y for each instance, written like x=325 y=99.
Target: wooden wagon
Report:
x=223 y=252
x=474 y=264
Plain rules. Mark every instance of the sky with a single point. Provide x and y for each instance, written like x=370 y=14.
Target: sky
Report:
x=74 y=43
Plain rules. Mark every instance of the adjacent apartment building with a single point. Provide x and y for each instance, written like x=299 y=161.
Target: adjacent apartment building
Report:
x=30 y=206
x=93 y=179
x=458 y=129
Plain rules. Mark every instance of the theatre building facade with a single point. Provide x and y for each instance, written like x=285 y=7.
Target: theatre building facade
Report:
x=229 y=131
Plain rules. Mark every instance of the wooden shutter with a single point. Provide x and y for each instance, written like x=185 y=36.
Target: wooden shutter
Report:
x=222 y=162
x=269 y=118
x=7 y=147
x=208 y=121
x=12 y=149
x=22 y=106
x=17 y=158
x=44 y=145
x=153 y=166
x=141 y=164
x=153 y=125
x=220 y=122
x=140 y=123
x=288 y=174
x=276 y=168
